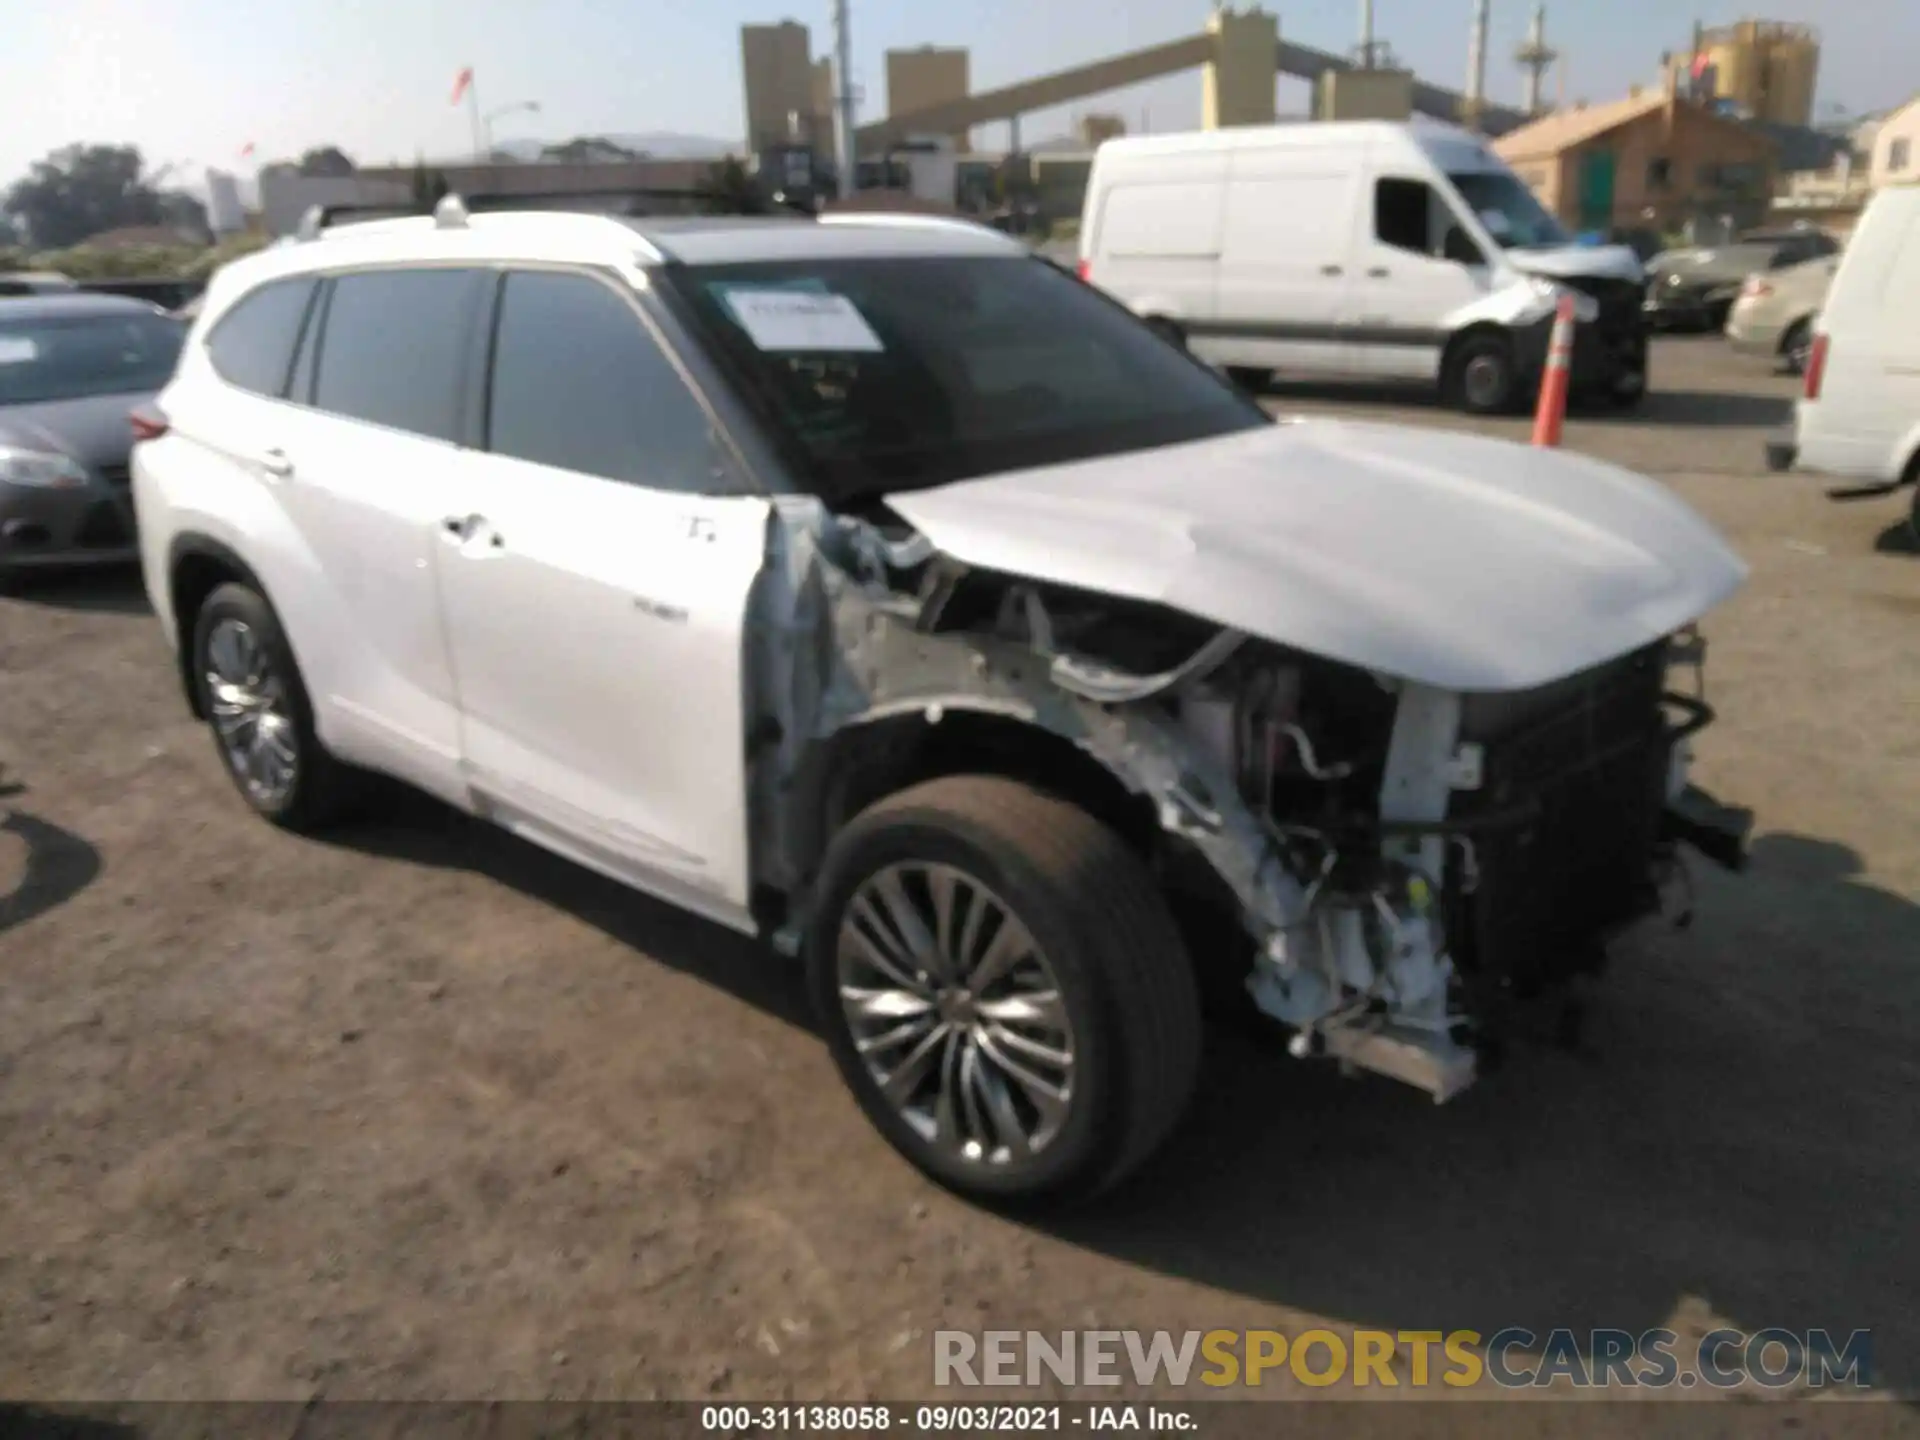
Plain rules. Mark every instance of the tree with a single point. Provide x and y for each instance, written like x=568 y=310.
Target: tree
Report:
x=185 y=214
x=429 y=186
x=729 y=190
x=326 y=160
x=80 y=190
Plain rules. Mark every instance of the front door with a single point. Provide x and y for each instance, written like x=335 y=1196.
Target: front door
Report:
x=1417 y=267
x=595 y=588
x=1596 y=189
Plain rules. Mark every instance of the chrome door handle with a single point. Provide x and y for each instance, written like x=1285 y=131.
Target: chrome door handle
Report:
x=276 y=463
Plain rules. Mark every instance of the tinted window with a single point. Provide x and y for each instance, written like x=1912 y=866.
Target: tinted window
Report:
x=252 y=345
x=894 y=374
x=1400 y=214
x=1508 y=210
x=392 y=348
x=68 y=357
x=579 y=382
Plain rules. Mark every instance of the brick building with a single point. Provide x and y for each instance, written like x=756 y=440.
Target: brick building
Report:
x=1648 y=160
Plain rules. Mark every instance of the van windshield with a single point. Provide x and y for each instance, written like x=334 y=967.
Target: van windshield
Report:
x=1508 y=210
x=891 y=374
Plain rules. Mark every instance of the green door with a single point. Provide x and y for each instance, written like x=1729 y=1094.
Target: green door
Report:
x=1596 y=190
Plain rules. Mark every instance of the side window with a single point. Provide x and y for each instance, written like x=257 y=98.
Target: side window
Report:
x=252 y=345
x=393 y=346
x=1401 y=215
x=579 y=383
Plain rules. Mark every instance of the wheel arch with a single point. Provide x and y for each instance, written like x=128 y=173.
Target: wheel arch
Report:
x=197 y=565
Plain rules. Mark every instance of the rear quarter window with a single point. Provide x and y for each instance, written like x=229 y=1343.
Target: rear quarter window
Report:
x=251 y=346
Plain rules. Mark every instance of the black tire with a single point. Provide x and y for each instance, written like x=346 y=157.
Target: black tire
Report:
x=1717 y=313
x=1168 y=330
x=1913 y=517
x=1483 y=376
x=1095 y=915
x=1250 y=378
x=1794 y=346
x=322 y=789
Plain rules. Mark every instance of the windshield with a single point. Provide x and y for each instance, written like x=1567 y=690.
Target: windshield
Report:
x=1508 y=210
x=68 y=357
x=886 y=375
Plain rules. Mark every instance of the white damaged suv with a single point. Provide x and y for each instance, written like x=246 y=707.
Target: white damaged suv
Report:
x=876 y=588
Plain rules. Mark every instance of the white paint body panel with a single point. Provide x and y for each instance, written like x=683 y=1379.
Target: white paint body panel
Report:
x=1866 y=423
x=1450 y=560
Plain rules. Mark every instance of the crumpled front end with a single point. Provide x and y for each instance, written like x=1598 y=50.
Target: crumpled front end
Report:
x=1399 y=865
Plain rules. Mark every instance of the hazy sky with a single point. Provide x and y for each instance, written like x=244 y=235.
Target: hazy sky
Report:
x=193 y=80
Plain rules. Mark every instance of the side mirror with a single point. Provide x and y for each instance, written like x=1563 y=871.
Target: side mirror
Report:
x=1458 y=247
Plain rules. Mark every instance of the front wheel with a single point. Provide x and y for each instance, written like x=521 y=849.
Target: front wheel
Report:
x=1482 y=378
x=1003 y=989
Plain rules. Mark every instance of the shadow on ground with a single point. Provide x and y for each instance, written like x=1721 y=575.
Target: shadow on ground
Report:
x=114 y=590
x=1898 y=538
x=1736 y=1138
x=59 y=865
x=405 y=824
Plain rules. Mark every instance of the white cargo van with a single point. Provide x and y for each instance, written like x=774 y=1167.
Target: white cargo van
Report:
x=1367 y=249
x=1859 y=414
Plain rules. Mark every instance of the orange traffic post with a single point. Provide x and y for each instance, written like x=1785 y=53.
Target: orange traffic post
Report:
x=1552 y=410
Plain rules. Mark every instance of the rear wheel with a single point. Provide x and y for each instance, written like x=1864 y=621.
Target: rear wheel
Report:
x=1168 y=331
x=256 y=704
x=1003 y=989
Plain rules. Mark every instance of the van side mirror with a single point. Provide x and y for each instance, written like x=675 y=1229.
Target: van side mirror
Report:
x=1458 y=247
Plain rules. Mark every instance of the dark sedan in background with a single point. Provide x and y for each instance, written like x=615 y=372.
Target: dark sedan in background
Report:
x=1695 y=289
x=72 y=367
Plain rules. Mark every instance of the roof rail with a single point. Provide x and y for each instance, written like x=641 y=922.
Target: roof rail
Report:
x=628 y=203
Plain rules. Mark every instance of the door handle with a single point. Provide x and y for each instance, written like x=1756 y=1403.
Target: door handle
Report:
x=462 y=528
x=1331 y=270
x=1378 y=272
x=276 y=463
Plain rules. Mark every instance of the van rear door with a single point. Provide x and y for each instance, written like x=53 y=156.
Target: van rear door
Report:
x=1868 y=387
x=1286 y=261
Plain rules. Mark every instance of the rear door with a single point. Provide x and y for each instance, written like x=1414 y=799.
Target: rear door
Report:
x=1418 y=265
x=365 y=471
x=1283 y=300
x=594 y=574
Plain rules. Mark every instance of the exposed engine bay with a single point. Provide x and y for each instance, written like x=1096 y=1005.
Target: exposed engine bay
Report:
x=1401 y=863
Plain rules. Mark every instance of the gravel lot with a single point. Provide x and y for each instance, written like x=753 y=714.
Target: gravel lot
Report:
x=422 y=1112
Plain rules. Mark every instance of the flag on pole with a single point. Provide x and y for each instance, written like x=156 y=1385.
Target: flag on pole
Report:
x=1701 y=60
x=246 y=151
x=460 y=84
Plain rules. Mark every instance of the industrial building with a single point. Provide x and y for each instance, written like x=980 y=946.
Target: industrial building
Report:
x=1652 y=160
x=1761 y=69
x=922 y=78
x=787 y=103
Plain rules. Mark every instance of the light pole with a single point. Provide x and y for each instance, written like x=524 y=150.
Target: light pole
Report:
x=531 y=107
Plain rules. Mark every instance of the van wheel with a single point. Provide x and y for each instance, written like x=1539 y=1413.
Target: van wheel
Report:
x=1482 y=377
x=256 y=704
x=1913 y=517
x=1796 y=346
x=1003 y=989
x=1168 y=331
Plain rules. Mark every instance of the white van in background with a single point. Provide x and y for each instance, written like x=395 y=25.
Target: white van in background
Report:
x=1859 y=414
x=1367 y=249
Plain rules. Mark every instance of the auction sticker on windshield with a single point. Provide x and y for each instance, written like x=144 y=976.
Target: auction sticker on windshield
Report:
x=798 y=320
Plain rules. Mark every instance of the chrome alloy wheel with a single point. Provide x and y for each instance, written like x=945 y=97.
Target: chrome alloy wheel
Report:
x=247 y=703
x=956 y=1013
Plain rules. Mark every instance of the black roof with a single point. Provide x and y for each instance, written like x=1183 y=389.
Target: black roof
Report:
x=72 y=303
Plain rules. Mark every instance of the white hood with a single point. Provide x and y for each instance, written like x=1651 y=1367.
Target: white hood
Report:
x=1564 y=262
x=1445 y=559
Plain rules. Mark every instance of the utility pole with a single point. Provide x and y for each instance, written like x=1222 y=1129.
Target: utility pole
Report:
x=1476 y=66
x=843 y=98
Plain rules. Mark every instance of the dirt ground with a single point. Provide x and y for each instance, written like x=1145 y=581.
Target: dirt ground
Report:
x=421 y=1112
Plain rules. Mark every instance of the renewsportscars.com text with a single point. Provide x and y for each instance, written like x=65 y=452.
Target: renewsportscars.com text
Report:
x=1511 y=1358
